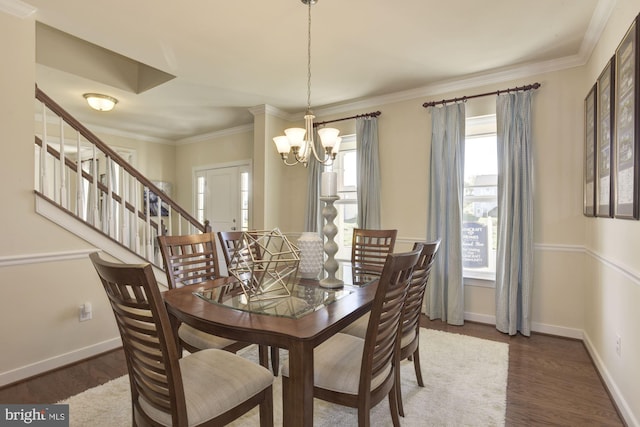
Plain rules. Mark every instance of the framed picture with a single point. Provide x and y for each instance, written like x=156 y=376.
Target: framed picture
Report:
x=590 y=151
x=604 y=141
x=625 y=147
x=152 y=198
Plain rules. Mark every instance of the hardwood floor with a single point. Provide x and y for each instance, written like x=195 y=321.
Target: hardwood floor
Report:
x=552 y=380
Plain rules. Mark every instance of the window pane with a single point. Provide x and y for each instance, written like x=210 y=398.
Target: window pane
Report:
x=480 y=208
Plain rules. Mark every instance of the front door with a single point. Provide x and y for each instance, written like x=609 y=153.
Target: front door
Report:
x=226 y=197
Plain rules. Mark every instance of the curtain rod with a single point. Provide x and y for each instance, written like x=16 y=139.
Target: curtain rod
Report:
x=373 y=114
x=497 y=92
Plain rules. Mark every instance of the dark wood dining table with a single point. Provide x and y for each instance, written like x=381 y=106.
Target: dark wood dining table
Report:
x=298 y=334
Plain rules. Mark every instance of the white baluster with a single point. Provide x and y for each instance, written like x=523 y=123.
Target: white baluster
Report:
x=136 y=209
x=148 y=233
x=96 y=195
x=79 y=187
x=124 y=225
x=110 y=207
x=63 y=169
x=43 y=152
x=159 y=221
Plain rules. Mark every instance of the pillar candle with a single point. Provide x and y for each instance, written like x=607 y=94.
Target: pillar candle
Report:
x=329 y=184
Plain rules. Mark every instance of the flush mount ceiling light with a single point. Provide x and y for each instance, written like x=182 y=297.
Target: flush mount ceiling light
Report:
x=100 y=102
x=298 y=141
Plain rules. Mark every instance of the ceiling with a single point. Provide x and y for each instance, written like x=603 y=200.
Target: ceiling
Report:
x=229 y=56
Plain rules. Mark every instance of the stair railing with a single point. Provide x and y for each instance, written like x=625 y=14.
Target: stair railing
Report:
x=92 y=182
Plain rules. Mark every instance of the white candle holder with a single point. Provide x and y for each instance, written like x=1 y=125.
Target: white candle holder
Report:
x=329 y=212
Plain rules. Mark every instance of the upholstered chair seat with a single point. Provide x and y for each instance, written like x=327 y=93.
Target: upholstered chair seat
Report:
x=335 y=366
x=196 y=338
x=230 y=378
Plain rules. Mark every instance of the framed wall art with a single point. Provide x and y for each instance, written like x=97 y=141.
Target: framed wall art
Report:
x=604 y=130
x=590 y=152
x=625 y=147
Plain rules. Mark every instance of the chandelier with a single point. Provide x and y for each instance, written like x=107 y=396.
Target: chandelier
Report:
x=298 y=141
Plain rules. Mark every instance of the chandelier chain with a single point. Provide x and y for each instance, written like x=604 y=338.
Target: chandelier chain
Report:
x=309 y=60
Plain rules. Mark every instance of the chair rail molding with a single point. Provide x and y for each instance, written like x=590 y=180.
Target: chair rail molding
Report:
x=39 y=258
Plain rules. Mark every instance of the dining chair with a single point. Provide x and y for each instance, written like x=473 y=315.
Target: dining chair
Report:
x=192 y=259
x=357 y=372
x=369 y=250
x=207 y=388
x=235 y=250
x=410 y=330
x=410 y=325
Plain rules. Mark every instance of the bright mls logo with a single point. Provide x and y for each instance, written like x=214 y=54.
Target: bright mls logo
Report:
x=34 y=415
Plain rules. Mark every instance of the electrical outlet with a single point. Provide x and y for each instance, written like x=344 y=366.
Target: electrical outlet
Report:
x=85 y=312
x=618 y=345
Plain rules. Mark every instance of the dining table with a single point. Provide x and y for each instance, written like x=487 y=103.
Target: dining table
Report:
x=297 y=317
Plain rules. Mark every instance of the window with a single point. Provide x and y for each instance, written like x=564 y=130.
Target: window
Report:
x=244 y=200
x=480 y=205
x=347 y=206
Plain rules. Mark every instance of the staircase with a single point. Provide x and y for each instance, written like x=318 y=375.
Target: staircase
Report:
x=86 y=187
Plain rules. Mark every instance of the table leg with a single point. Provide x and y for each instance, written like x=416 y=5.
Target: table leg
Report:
x=297 y=407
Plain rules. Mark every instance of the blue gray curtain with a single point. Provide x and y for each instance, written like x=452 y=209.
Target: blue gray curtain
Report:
x=514 y=264
x=445 y=296
x=313 y=214
x=368 y=167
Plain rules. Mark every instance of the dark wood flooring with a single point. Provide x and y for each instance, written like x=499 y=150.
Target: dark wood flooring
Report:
x=552 y=380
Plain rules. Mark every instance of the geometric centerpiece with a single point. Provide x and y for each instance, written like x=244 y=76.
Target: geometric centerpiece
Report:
x=265 y=264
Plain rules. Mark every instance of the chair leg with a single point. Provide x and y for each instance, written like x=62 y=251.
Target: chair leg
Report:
x=393 y=405
x=263 y=355
x=286 y=411
x=275 y=360
x=266 y=408
x=398 y=391
x=364 y=417
x=416 y=365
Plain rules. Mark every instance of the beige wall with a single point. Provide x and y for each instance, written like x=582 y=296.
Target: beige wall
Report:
x=39 y=303
x=613 y=267
x=587 y=274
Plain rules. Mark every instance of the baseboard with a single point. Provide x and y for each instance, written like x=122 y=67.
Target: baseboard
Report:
x=621 y=403
x=56 y=362
x=480 y=318
x=560 y=331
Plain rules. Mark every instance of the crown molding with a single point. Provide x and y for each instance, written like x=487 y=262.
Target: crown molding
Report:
x=216 y=134
x=17 y=8
x=271 y=110
x=598 y=22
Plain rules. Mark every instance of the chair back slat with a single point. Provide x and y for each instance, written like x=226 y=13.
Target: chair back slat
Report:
x=382 y=336
x=149 y=344
x=189 y=259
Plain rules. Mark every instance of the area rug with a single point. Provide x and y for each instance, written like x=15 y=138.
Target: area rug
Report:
x=465 y=385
